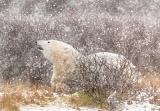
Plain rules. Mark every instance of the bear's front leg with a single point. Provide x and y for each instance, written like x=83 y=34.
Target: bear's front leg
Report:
x=60 y=87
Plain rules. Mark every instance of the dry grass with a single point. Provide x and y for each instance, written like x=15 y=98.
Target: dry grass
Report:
x=151 y=81
x=84 y=98
x=151 y=85
x=23 y=94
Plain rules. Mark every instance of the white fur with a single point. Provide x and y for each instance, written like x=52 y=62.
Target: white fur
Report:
x=61 y=55
x=113 y=60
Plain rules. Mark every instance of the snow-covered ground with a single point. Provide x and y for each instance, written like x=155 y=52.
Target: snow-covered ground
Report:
x=57 y=105
x=137 y=105
x=143 y=102
x=142 y=106
x=51 y=107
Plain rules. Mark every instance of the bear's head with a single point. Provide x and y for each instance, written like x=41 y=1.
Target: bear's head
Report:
x=56 y=51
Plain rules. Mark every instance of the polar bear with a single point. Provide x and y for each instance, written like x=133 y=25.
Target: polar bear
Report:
x=73 y=71
x=64 y=58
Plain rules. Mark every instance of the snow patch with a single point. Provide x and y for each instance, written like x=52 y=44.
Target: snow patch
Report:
x=142 y=106
x=51 y=107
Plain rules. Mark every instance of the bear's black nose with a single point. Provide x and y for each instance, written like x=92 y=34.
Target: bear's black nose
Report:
x=36 y=42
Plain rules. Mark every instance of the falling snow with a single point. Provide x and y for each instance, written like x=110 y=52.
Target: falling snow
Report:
x=127 y=27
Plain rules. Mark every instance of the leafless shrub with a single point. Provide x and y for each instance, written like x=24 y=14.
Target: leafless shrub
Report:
x=4 y=4
x=55 y=6
x=18 y=53
x=100 y=78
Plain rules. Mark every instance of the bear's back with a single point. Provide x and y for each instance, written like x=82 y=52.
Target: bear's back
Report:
x=111 y=59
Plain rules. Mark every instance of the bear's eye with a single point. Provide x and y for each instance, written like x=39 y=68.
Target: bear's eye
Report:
x=48 y=41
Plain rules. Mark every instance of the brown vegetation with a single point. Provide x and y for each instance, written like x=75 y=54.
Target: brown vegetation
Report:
x=150 y=82
x=14 y=96
x=23 y=94
x=151 y=85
